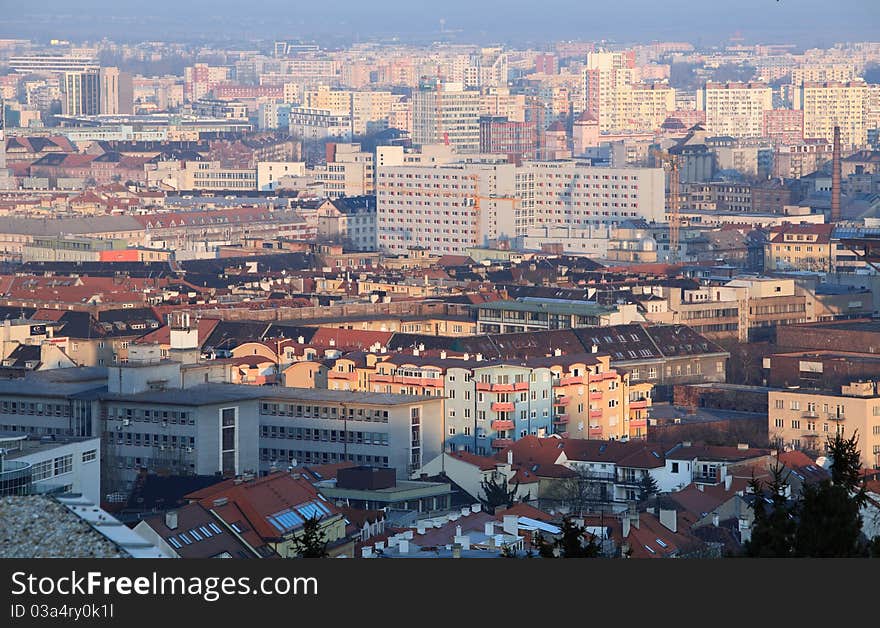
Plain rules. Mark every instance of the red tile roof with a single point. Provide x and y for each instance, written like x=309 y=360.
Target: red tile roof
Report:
x=261 y=498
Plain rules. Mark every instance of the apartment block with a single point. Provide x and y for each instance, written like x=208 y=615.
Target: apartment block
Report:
x=452 y=207
x=447 y=113
x=803 y=419
x=829 y=104
x=735 y=109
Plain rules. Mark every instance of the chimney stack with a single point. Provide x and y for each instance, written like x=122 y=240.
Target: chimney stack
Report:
x=835 y=177
x=171 y=519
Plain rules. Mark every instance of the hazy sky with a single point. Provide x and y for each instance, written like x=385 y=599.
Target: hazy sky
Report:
x=806 y=22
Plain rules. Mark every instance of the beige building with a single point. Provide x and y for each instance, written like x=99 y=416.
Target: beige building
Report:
x=829 y=104
x=447 y=114
x=821 y=72
x=804 y=419
x=735 y=109
x=606 y=73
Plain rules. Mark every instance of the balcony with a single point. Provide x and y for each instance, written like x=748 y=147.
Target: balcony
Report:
x=595 y=414
x=502 y=406
x=484 y=386
x=810 y=414
x=641 y=404
x=571 y=379
x=638 y=423
x=501 y=443
x=596 y=395
x=560 y=419
x=562 y=401
x=501 y=387
x=521 y=386
x=501 y=425
x=337 y=375
x=595 y=432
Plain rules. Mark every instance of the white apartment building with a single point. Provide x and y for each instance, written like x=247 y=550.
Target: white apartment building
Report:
x=450 y=208
x=319 y=124
x=269 y=173
x=830 y=104
x=448 y=114
x=735 y=109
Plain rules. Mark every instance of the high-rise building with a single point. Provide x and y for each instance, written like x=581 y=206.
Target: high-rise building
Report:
x=81 y=93
x=735 y=109
x=501 y=136
x=830 y=104
x=604 y=74
x=451 y=207
x=116 y=91
x=447 y=113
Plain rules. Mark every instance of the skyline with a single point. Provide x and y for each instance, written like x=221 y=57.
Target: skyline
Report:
x=756 y=21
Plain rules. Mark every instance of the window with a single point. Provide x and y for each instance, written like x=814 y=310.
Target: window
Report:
x=675 y=467
x=64 y=464
x=795 y=424
x=90 y=455
x=795 y=405
x=780 y=404
x=780 y=423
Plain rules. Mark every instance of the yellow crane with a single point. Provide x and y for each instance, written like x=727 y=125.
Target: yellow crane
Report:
x=669 y=163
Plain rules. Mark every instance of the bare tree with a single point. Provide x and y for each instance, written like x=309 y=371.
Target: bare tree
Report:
x=583 y=492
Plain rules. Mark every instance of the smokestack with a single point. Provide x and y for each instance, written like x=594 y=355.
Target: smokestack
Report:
x=835 y=177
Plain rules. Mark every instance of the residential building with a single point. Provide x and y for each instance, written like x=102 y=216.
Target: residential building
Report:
x=534 y=314
x=834 y=104
x=735 y=109
x=447 y=113
x=452 y=207
x=804 y=419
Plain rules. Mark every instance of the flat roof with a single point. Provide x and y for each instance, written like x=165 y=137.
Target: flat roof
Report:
x=18 y=445
x=403 y=490
x=208 y=394
x=586 y=308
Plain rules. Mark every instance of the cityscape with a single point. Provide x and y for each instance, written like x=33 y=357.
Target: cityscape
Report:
x=439 y=285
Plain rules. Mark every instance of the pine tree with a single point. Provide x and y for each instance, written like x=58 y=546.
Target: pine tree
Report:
x=648 y=487
x=312 y=541
x=571 y=543
x=496 y=494
x=830 y=523
x=772 y=532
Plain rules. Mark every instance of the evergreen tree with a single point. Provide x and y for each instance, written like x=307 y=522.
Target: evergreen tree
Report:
x=496 y=494
x=571 y=543
x=312 y=541
x=830 y=523
x=648 y=487
x=546 y=548
x=772 y=532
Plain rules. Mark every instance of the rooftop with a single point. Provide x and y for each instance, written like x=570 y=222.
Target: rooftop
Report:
x=206 y=394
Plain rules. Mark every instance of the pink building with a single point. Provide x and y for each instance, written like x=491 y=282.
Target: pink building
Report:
x=585 y=133
x=785 y=126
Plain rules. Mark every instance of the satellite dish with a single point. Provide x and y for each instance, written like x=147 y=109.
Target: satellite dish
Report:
x=824 y=462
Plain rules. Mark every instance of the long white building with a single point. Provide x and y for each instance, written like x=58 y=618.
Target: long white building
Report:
x=451 y=207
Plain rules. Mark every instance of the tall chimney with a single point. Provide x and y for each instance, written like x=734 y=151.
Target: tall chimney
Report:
x=835 y=177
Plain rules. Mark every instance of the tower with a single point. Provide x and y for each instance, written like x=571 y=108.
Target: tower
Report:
x=835 y=177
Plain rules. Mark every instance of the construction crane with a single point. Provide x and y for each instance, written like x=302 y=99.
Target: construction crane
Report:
x=669 y=163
